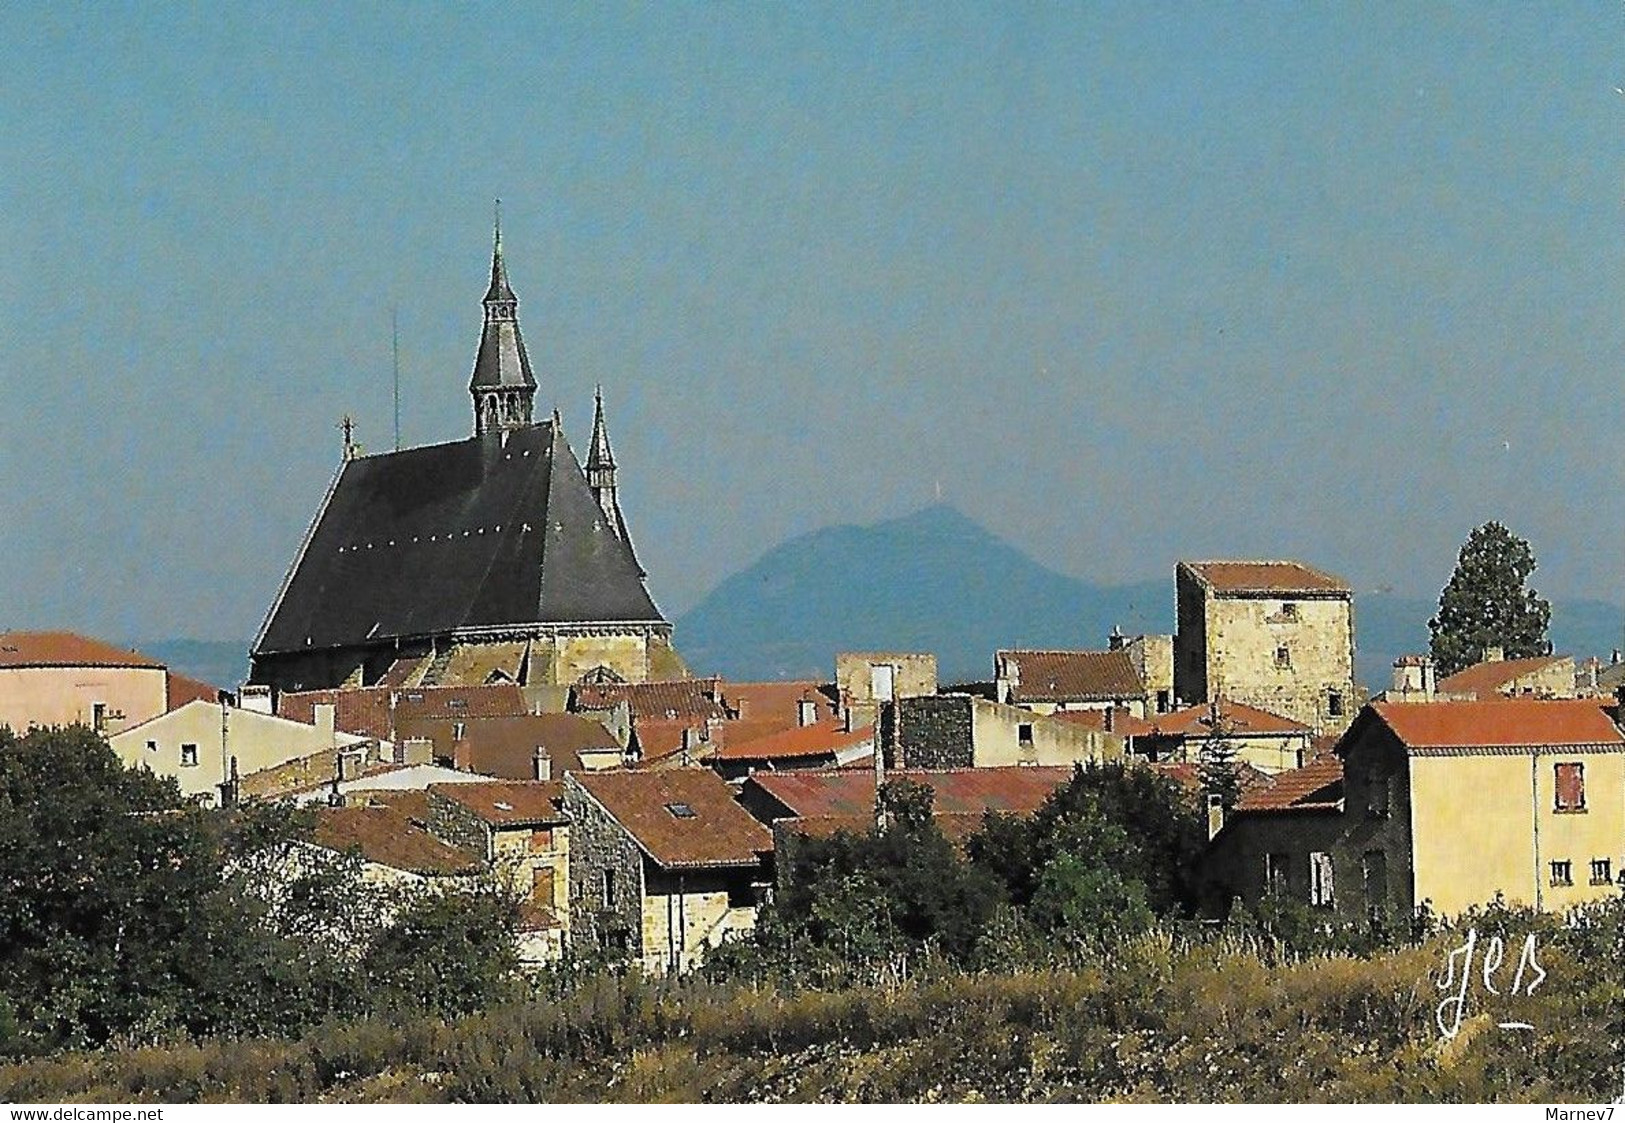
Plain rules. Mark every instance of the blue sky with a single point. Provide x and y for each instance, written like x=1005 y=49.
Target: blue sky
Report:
x=1129 y=282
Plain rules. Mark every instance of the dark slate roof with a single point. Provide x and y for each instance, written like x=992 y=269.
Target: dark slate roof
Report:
x=474 y=534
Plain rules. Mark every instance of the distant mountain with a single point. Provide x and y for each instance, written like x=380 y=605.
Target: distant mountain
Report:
x=220 y=663
x=931 y=581
x=936 y=581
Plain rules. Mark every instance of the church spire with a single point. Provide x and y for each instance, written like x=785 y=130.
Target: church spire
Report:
x=601 y=469
x=502 y=387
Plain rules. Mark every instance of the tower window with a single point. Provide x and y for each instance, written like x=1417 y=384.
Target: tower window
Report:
x=188 y=755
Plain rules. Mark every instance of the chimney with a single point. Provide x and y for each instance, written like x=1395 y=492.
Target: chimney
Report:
x=1614 y=660
x=543 y=764
x=1494 y=653
x=1215 y=814
x=415 y=750
x=322 y=716
x=846 y=719
x=462 y=755
x=1115 y=642
x=350 y=764
x=739 y=708
x=806 y=712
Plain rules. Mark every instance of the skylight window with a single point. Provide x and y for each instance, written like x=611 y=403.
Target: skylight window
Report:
x=680 y=810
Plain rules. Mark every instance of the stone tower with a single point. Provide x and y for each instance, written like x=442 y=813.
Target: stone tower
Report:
x=502 y=387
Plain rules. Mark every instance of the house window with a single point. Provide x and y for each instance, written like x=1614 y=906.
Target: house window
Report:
x=98 y=716
x=1275 y=873
x=541 y=840
x=457 y=730
x=152 y=746
x=1162 y=701
x=1024 y=734
x=1334 y=704
x=1283 y=658
x=882 y=683
x=609 y=889
x=680 y=810
x=1571 y=787
x=1563 y=873
x=1376 y=795
x=1602 y=871
x=1320 y=880
x=741 y=895
x=1289 y=611
x=188 y=755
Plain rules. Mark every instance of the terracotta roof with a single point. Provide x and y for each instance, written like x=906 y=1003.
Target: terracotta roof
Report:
x=1266 y=577
x=508 y=803
x=1488 y=679
x=389 y=838
x=716 y=833
x=1068 y=676
x=1317 y=786
x=1188 y=775
x=506 y=746
x=823 y=738
x=1502 y=722
x=66 y=649
x=366 y=710
x=677 y=699
x=1242 y=720
x=1124 y=724
x=957 y=791
x=179 y=690
x=777 y=703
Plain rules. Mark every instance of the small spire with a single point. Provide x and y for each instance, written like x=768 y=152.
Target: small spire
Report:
x=599 y=456
x=500 y=303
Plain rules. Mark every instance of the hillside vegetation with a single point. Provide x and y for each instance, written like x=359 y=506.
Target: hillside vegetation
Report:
x=1158 y=1019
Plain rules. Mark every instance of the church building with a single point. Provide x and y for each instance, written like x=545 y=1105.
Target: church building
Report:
x=492 y=559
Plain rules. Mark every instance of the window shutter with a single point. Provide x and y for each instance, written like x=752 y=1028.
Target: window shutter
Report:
x=1571 y=795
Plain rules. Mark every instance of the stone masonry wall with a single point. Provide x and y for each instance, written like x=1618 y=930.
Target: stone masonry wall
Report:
x=935 y=732
x=599 y=844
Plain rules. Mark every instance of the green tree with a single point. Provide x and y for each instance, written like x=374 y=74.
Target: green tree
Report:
x=1217 y=766
x=1486 y=603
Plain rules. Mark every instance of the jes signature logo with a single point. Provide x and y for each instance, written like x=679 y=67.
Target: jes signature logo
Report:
x=1449 y=1013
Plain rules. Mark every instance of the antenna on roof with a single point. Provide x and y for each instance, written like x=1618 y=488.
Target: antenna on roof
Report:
x=395 y=354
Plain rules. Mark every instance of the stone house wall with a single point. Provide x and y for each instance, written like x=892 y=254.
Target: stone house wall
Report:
x=600 y=846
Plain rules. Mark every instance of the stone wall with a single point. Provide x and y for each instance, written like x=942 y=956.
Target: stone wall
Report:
x=458 y=826
x=600 y=845
x=1153 y=659
x=931 y=732
x=686 y=913
x=1291 y=655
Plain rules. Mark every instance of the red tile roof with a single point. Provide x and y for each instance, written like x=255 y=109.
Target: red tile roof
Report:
x=385 y=836
x=1240 y=719
x=694 y=698
x=505 y=747
x=1317 y=786
x=508 y=803
x=958 y=791
x=179 y=690
x=1483 y=680
x=777 y=702
x=1266 y=577
x=1124 y=724
x=823 y=738
x=957 y=826
x=366 y=710
x=1072 y=676
x=718 y=833
x=66 y=649
x=1501 y=723
x=1188 y=774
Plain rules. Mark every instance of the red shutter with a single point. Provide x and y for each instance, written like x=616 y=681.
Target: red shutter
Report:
x=1571 y=787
